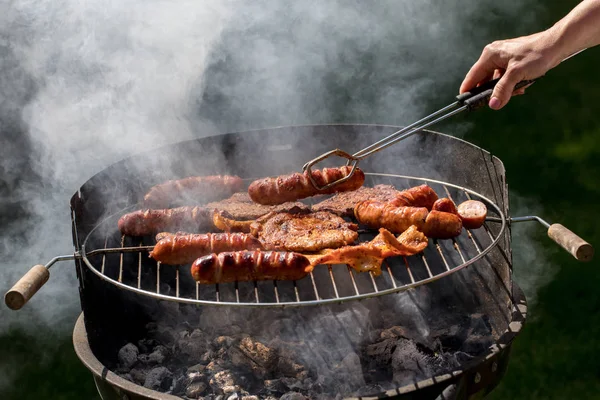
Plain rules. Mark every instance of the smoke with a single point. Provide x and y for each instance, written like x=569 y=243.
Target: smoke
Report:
x=84 y=84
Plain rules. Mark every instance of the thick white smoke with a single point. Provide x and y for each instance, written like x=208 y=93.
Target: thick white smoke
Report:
x=84 y=84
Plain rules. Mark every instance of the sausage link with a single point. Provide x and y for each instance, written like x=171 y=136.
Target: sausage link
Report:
x=149 y=222
x=192 y=190
x=183 y=249
x=472 y=213
x=442 y=225
x=445 y=205
x=281 y=189
x=418 y=196
x=376 y=214
x=250 y=266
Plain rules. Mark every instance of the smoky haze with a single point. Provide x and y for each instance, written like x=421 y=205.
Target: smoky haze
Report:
x=84 y=84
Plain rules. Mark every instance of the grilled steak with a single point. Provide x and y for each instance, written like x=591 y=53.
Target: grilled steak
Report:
x=241 y=207
x=303 y=232
x=343 y=203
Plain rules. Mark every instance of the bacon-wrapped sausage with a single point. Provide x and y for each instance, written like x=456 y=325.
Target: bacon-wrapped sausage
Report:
x=376 y=214
x=149 y=222
x=250 y=266
x=445 y=205
x=278 y=190
x=183 y=249
x=442 y=225
x=192 y=190
x=418 y=196
x=473 y=213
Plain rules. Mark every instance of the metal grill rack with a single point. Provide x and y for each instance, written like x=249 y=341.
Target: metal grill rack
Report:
x=124 y=262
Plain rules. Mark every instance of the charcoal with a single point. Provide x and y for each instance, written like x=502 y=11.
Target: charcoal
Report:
x=128 y=355
x=213 y=367
x=190 y=349
x=242 y=361
x=250 y=398
x=195 y=390
x=381 y=352
x=198 y=368
x=349 y=374
x=369 y=390
x=275 y=386
x=230 y=389
x=223 y=341
x=163 y=334
x=138 y=375
x=207 y=357
x=293 y=396
x=221 y=380
x=147 y=345
x=159 y=378
x=480 y=325
x=476 y=344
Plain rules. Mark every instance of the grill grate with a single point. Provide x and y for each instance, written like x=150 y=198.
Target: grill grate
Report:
x=124 y=261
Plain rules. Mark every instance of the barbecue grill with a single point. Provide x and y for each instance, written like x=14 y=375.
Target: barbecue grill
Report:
x=122 y=290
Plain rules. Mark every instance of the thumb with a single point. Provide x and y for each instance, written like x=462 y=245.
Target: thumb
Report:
x=504 y=89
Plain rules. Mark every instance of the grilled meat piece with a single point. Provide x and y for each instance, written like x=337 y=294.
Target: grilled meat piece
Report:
x=303 y=232
x=223 y=222
x=442 y=225
x=369 y=256
x=277 y=190
x=376 y=214
x=445 y=205
x=149 y=222
x=250 y=266
x=343 y=203
x=240 y=207
x=418 y=196
x=472 y=213
x=193 y=190
x=185 y=248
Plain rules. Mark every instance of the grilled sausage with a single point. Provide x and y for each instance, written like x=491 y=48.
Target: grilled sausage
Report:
x=278 y=190
x=192 y=190
x=250 y=266
x=418 y=196
x=472 y=213
x=376 y=214
x=183 y=249
x=149 y=222
x=442 y=225
x=445 y=205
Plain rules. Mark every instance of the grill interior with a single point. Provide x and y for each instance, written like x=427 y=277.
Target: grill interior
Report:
x=124 y=262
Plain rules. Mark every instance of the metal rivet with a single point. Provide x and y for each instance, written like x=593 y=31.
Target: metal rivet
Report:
x=477 y=377
x=494 y=366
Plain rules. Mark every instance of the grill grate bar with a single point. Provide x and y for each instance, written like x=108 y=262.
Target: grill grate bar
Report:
x=158 y=277
x=351 y=273
x=121 y=260
x=177 y=282
x=439 y=249
x=237 y=293
x=296 y=292
x=426 y=265
x=197 y=290
x=104 y=256
x=276 y=291
x=256 y=292
x=373 y=281
x=335 y=289
x=312 y=278
x=139 y=273
x=410 y=275
x=217 y=293
x=389 y=270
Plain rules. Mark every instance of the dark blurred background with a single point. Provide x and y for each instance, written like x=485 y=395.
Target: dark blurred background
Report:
x=549 y=141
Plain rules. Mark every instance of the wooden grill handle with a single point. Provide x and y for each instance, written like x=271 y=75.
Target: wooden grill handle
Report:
x=26 y=287
x=579 y=248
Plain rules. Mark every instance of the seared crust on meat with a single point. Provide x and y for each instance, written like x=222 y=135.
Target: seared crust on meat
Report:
x=343 y=203
x=304 y=232
x=184 y=248
x=240 y=207
x=150 y=222
x=277 y=190
x=193 y=190
x=376 y=214
x=418 y=196
x=250 y=266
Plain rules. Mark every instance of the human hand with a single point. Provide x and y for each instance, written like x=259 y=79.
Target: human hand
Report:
x=514 y=60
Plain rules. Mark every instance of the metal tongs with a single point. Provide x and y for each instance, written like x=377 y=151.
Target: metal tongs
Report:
x=471 y=100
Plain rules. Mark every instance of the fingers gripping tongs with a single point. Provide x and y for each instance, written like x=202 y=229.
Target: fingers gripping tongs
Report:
x=471 y=100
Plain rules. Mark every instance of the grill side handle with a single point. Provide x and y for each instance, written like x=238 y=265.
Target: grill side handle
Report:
x=26 y=287
x=565 y=238
x=31 y=282
x=579 y=248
